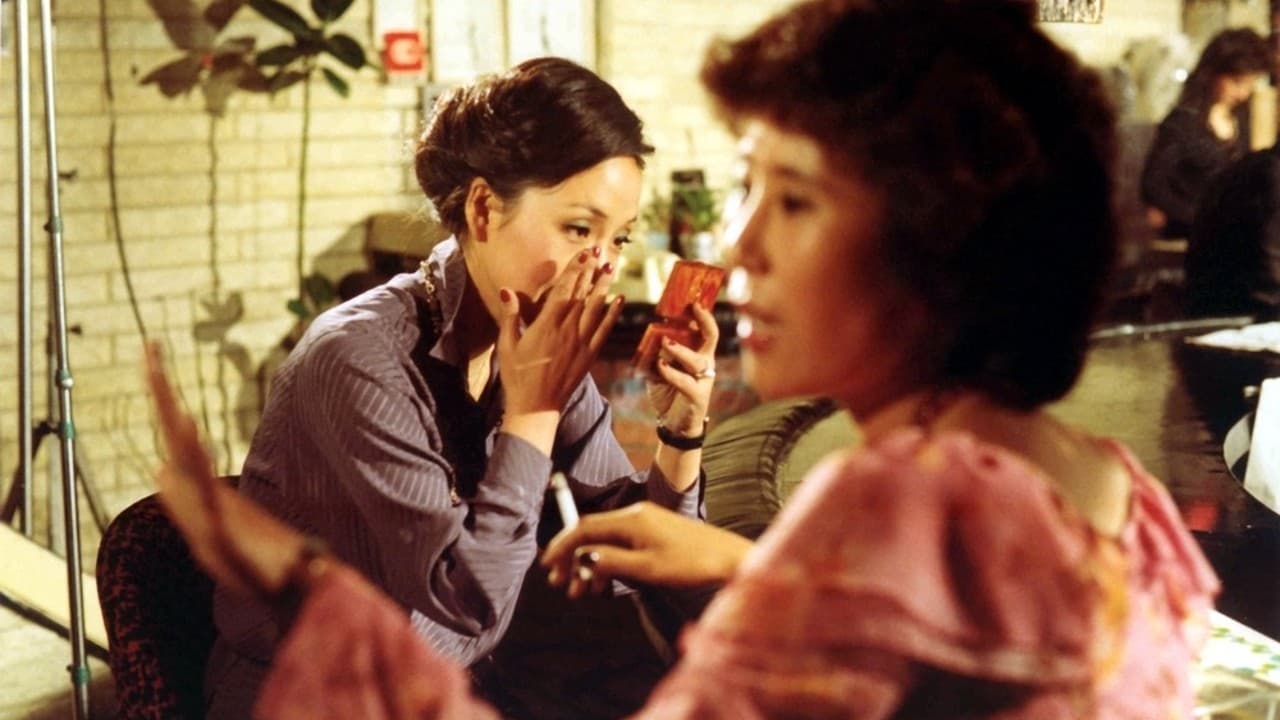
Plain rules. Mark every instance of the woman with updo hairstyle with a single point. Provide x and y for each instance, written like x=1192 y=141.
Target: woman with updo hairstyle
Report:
x=1206 y=130
x=924 y=234
x=414 y=428
x=534 y=127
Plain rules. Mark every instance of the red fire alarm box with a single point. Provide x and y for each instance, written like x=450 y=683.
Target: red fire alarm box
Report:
x=402 y=51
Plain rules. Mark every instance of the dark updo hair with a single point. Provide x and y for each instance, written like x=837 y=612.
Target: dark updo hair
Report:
x=1238 y=51
x=535 y=125
x=991 y=148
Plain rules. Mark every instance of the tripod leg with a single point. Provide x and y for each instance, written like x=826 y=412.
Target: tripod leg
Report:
x=13 y=500
x=96 y=506
x=16 y=491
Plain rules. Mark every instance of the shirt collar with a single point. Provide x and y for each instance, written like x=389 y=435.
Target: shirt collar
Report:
x=449 y=274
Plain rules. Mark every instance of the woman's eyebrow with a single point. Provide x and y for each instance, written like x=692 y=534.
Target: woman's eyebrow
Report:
x=792 y=173
x=788 y=171
x=595 y=211
x=598 y=214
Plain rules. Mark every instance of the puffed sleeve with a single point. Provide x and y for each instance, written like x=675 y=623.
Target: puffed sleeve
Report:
x=351 y=653
x=918 y=553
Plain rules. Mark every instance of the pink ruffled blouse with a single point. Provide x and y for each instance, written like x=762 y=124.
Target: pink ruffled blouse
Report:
x=920 y=577
x=944 y=577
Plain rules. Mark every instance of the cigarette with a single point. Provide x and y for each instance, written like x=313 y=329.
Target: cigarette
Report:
x=564 y=500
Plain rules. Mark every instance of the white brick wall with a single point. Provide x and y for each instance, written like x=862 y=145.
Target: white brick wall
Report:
x=651 y=51
x=164 y=158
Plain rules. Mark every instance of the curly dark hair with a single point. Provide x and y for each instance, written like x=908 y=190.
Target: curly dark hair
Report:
x=992 y=147
x=1238 y=51
x=535 y=125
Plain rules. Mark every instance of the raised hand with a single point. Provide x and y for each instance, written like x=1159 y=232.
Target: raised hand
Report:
x=680 y=391
x=542 y=364
x=642 y=542
x=237 y=542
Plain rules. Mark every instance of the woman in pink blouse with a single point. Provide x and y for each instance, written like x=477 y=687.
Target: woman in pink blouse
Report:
x=924 y=235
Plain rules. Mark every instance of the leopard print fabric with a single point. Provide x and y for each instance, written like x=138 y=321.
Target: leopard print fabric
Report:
x=158 y=610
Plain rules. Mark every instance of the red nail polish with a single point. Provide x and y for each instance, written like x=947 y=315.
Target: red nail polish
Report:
x=582 y=258
x=504 y=295
x=596 y=251
x=608 y=268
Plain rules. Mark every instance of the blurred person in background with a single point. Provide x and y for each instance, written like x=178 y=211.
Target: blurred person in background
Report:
x=1233 y=252
x=1205 y=131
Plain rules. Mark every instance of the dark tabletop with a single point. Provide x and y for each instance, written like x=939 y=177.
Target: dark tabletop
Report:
x=1172 y=404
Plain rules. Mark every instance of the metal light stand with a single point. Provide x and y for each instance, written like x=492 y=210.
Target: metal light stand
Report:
x=23 y=108
x=65 y=426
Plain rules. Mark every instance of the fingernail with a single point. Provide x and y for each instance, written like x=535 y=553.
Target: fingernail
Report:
x=596 y=251
x=608 y=268
x=504 y=295
x=583 y=257
x=585 y=574
x=620 y=299
x=588 y=559
x=553 y=577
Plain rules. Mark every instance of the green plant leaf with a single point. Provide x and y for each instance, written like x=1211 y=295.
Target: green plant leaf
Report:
x=299 y=308
x=346 y=49
x=278 y=55
x=330 y=10
x=336 y=82
x=697 y=206
x=312 y=46
x=284 y=79
x=319 y=289
x=284 y=16
x=656 y=214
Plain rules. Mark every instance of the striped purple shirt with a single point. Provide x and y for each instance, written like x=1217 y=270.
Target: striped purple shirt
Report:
x=367 y=429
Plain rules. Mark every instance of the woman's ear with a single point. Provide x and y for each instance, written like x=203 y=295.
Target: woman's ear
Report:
x=480 y=209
